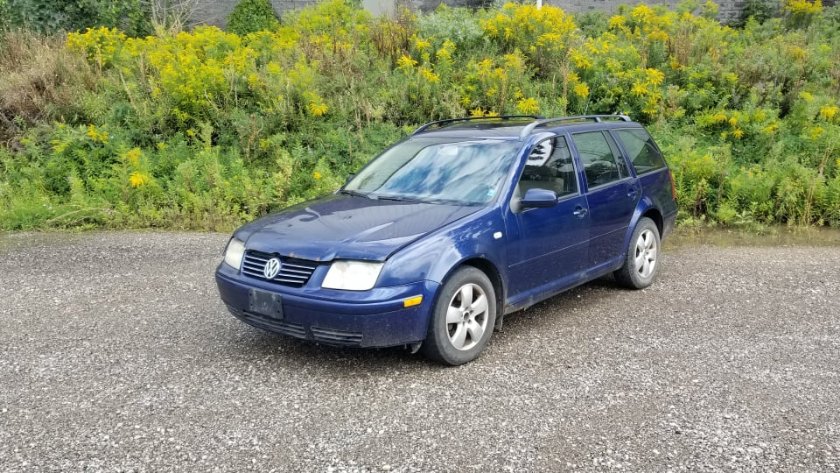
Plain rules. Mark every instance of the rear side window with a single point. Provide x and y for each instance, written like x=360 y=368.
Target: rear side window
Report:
x=550 y=166
x=600 y=158
x=641 y=150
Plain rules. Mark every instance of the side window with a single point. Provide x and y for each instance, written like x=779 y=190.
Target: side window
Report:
x=550 y=166
x=641 y=150
x=601 y=160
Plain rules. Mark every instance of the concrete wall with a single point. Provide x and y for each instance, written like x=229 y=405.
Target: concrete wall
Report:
x=730 y=10
x=215 y=12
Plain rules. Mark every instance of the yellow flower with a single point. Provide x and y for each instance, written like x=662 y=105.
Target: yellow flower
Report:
x=138 y=179
x=642 y=14
x=445 y=51
x=406 y=62
x=133 y=156
x=528 y=106
x=733 y=121
x=430 y=76
x=616 y=22
x=316 y=175
x=806 y=96
x=655 y=76
x=96 y=135
x=638 y=89
x=738 y=133
x=658 y=35
x=797 y=53
x=771 y=128
x=421 y=44
x=317 y=109
x=829 y=112
x=581 y=90
x=803 y=7
x=477 y=112
x=674 y=63
x=815 y=132
x=580 y=60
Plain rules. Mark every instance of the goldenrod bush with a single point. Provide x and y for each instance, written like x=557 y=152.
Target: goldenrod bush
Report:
x=208 y=128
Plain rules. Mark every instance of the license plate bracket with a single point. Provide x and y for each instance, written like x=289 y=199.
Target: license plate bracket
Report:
x=265 y=303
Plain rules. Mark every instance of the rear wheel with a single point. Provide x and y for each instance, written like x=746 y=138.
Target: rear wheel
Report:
x=641 y=264
x=463 y=318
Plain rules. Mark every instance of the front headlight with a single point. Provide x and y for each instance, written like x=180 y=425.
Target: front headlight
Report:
x=352 y=275
x=234 y=252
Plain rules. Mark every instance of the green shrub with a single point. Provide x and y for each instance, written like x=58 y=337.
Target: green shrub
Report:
x=250 y=16
x=207 y=128
x=51 y=16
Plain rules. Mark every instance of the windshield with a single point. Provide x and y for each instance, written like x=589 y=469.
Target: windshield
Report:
x=437 y=171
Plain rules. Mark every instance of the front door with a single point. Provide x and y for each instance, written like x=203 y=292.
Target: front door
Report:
x=548 y=245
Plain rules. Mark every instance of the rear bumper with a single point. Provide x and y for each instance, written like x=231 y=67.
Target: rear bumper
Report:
x=375 y=318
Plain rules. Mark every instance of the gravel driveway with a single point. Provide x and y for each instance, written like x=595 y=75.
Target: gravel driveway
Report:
x=116 y=354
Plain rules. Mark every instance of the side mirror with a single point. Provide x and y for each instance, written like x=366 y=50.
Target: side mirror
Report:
x=539 y=198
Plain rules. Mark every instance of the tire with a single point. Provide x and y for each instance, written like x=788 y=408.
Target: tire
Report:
x=642 y=263
x=462 y=337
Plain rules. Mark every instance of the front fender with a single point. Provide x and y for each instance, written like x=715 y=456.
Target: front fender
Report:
x=435 y=256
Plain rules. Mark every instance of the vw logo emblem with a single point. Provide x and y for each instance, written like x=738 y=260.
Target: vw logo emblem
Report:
x=272 y=267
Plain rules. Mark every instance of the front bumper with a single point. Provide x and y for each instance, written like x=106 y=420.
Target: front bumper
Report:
x=375 y=318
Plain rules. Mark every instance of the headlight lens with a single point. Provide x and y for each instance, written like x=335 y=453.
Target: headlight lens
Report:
x=234 y=252
x=352 y=275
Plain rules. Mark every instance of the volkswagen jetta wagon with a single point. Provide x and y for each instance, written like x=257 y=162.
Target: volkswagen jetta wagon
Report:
x=445 y=232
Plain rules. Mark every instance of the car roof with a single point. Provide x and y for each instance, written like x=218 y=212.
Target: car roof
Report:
x=513 y=127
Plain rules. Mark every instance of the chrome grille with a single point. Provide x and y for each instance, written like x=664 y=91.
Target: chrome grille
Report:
x=293 y=272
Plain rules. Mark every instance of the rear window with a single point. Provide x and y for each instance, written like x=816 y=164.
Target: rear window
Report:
x=640 y=149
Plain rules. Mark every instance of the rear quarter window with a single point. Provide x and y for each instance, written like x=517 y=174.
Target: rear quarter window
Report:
x=641 y=150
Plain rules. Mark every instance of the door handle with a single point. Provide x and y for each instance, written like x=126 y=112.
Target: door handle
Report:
x=580 y=212
x=632 y=193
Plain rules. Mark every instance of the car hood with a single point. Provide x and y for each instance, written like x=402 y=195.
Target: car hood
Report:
x=348 y=227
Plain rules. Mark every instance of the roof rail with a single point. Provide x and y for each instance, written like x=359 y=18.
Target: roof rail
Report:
x=465 y=119
x=597 y=118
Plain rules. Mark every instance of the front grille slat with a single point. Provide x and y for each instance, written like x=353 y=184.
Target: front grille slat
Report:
x=300 y=266
x=339 y=337
x=293 y=272
x=298 y=271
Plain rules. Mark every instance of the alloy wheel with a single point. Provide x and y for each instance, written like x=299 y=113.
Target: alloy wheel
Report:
x=646 y=252
x=466 y=317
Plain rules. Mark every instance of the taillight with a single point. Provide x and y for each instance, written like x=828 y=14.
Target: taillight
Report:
x=673 y=186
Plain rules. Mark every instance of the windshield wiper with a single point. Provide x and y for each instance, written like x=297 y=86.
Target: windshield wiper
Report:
x=450 y=202
x=396 y=198
x=356 y=193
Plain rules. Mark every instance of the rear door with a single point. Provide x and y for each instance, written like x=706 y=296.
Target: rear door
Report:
x=611 y=194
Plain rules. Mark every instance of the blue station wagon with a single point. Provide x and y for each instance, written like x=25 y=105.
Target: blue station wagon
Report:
x=445 y=232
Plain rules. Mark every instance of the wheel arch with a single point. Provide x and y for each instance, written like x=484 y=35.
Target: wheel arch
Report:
x=654 y=214
x=493 y=274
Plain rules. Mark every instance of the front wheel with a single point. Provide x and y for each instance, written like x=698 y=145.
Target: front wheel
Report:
x=641 y=265
x=463 y=318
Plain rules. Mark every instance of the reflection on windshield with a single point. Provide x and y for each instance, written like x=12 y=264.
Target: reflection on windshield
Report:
x=437 y=170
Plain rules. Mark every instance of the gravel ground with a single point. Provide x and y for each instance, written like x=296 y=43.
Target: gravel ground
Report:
x=116 y=354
